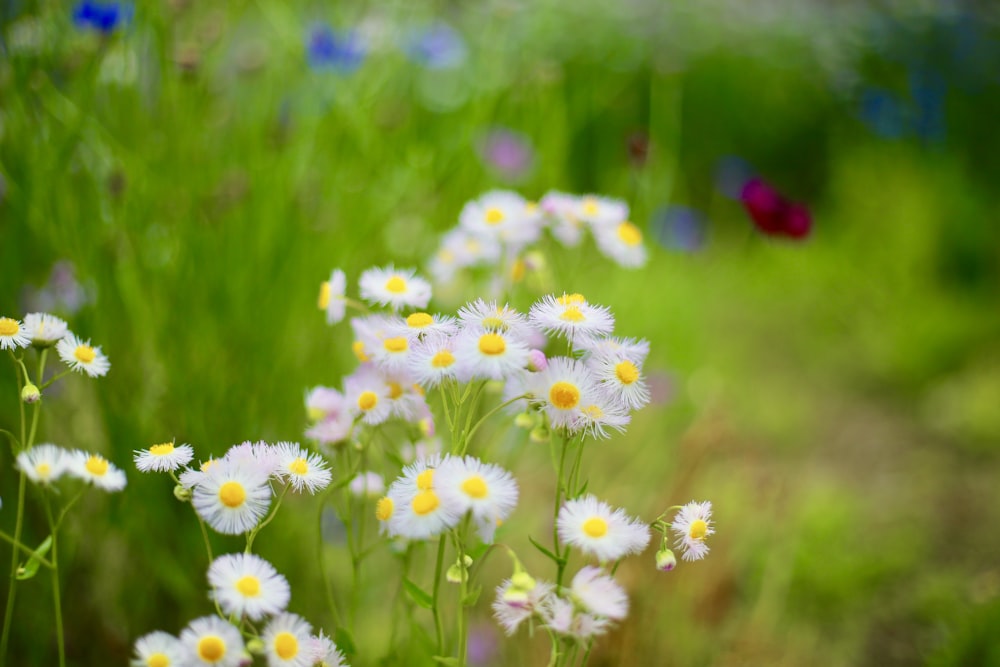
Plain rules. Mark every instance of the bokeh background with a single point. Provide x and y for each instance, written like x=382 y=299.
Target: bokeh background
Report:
x=177 y=179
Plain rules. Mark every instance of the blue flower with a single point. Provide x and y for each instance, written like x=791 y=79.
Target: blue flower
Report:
x=679 y=228
x=104 y=17
x=326 y=49
x=438 y=46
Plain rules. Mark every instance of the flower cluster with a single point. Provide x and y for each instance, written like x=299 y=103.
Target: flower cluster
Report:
x=42 y=331
x=44 y=464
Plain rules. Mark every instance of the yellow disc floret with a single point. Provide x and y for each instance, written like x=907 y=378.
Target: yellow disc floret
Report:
x=43 y=470
x=211 y=648
x=396 y=285
x=358 y=347
x=564 y=395
x=384 y=508
x=286 y=645
x=8 y=327
x=595 y=526
x=162 y=450
x=299 y=466
x=698 y=529
x=590 y=206
x=629 y=234
x=84 y=354
x=419 y=320
x=494 y=216
x=425 y=480
x=475 y=487
x=324 y=295
x=569 y=299
x=367 y=400
x=96 y=465
x=397 y=344
x=572 y=314
x=158 y=660
x=492 y=344
x=425 y=502
x=443 y=359
x=232 y=494
x=248 y=586
x=626 y=372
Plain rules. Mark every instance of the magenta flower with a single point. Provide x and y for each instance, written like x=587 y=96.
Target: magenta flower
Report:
x=772 y=213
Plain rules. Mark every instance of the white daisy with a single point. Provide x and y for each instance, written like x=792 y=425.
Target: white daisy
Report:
x=691 y=526
x=485 y=489
x=622 y=242
x=328 y=411
x=391 y=354
x=571 y=318
x=600 y=414
x=418 y=512
x=232 y=496
x=367 y=484
x=331 y=297
x=367 y=395
x=599 y=594
x=433 y=360
x=211 y=641
x=43 y=464
x=397 y=288
x=620 y=378
x=420 y=324
x=561 y=208
x=190 y=478
x=81 y=356
x=157 y=649
x=163 y=457
x=384 y=509
x=301 y=468
x=489 y=316
x=13 y=334
x=636 y=349
x=247 y=585
x=325 y=653
x=97 y=470
x=501 y=215
x=594 y=528
x=563 y=389
x=44 y=329
x=513 y=606
x=286 y=641
x=600 y=212
x=258 y=455
x=485 y=354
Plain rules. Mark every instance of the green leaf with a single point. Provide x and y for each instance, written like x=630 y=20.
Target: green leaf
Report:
x=418 y=595
x=344 y=641
x=30 y=569
x=582 y=490
x=445 y=661
x=472 y=596
x=555 y=559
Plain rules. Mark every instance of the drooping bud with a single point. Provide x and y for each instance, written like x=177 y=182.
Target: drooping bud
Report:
x=256 y=646
x=540 y=434
x=30 y=393
x=665 y=560
x=182 y=493
x=525 y=420
x=523 y=581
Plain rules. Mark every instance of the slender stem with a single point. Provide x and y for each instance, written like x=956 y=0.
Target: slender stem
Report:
x=25 y=548
x=491 y=413
x=574 y=476
x=253 y=533
x=586 y=655
x=561 y=564
x=204 y=537
x=56 y=599
x=554 y=653
x=436 y=598
x=322 y=561
x=463 y=588
x=58 y=376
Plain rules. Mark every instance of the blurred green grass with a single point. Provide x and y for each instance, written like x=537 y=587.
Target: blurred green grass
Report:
x=836 y=399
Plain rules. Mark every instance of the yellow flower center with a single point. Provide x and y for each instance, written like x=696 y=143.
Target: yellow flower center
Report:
x=494 y=323
x=232 y=494
x=299 y=466
x=367 y=400
x=208 y=464
x=383 y=508
x=8 y=327
x=358 y=347
x=324 y=295
x=43 y=470
x=572 y=314
x=248 y=586
x=162 y=450
x=397 y=344
x=396 y=285
x=475 y=487
x=492 y=344
x=593 y=411
x=314 y=414
x=446 y=256
x=568 y=299
x=698 y=529
x=158 y=660
x=395 y=390
x=530 y=207
x=595 y=526
x=626 y=372
x=84 y=354
x=286 y=645
x=629 y=234
x=590 y=206
x=443 y=359
x=425 y=480
x=564 y=395
x=211 y=648
x=494 y=216
x=97 y=466
x=419 y=320
x=425 y=502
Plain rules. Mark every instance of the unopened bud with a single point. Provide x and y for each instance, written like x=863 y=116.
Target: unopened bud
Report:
x=525 y=420
x=523 y=581
x=537 y=361
x=31 y=393
x=256 y=646
x=540 y=434
x=665 y=560
x=182 y=493
x=456 y=574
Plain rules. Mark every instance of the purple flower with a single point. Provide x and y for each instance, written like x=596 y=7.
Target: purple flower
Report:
x=327 y=49
x=508 y=152
x=438 y=46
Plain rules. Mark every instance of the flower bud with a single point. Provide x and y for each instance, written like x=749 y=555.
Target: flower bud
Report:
x=256 y=646
x=456 y=574
x=665 y=560
x=540 y=434
x=182 y=493
x=537 y=361
x=525 y=420
x=523 y=581
x=31 y=393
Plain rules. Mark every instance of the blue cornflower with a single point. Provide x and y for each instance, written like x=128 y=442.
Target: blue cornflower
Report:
x=438 y=46
x=326 y=49
x=104 y=17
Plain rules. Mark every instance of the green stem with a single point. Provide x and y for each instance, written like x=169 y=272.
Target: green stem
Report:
x=561 y=563
x=436 y=598
x=491 y=413
x=253 y=533
x=56 y=377
x=322 y=561
x=586 y=655
x=574 y=476
x=56 y=599
x=463 y=588
x=554 y=653
x=25 y=548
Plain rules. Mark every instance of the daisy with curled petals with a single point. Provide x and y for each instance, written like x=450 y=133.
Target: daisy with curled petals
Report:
x=620 y=377
x=82 y=357
x=163 y=458
x=325 y=653
x=622 y=243
x=563 y=389
x=331 y=297
x=43 y=464
x=95 y=469
x=513 y=606
x=157 y=649
x=396 y=288
x=247 y=585
x=691 y=526
x=433 y=360
x=367 y=395
x=484 y=489
x=594 y=528
x=287 y=642
x=13 y=334
x=599 y=594
x=418 y=512
x=212 y=642
x=232 y=496
x=492 y=317
x=571 y=316
x=43 y=329
x=486 y=354
x=302 y=469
